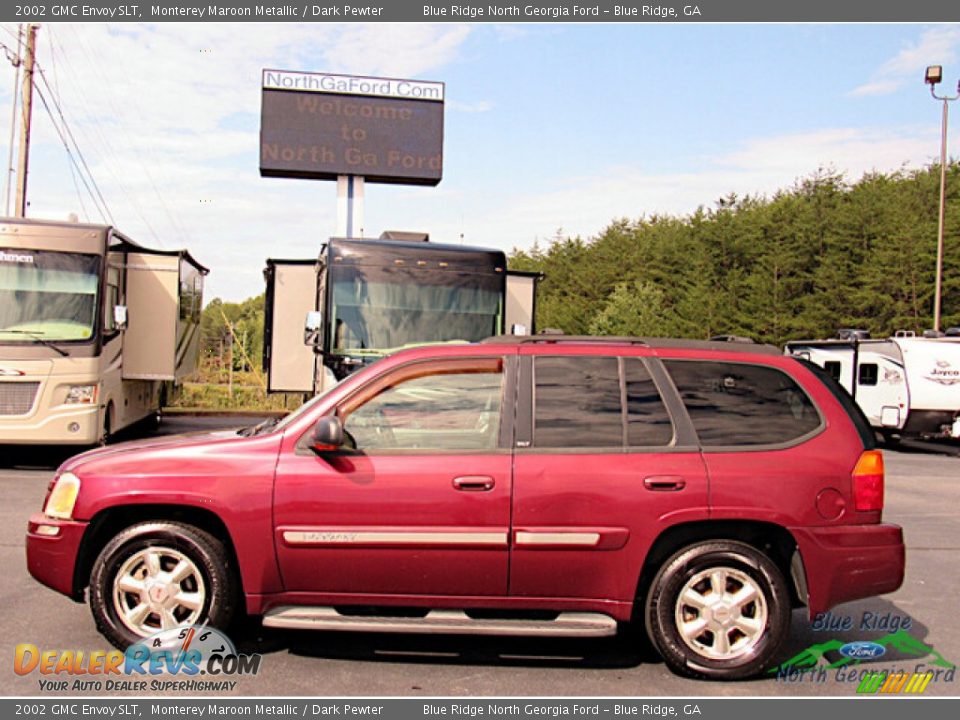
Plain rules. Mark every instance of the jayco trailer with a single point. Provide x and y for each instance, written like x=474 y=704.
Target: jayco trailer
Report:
x=905 y=385
x=94 y=330
x=366 y=298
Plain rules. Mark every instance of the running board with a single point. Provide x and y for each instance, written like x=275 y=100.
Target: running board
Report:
x=443 y=622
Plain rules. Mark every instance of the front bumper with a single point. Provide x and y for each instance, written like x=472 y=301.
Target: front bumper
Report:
x=52 y=559
x=65 y=425
x=850 y=562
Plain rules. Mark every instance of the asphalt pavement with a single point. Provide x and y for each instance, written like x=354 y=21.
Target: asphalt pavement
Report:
x=923 y=495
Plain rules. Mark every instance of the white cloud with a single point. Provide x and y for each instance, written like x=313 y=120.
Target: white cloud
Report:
x=474 y=107
x=395 y=50
x=936 y=47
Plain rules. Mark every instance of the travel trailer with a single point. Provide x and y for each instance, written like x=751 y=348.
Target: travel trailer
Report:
x=95 y=330
x=907 y=386
x=363 y=299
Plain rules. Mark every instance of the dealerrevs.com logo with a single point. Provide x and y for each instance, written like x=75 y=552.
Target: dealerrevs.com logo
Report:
x=191 y=659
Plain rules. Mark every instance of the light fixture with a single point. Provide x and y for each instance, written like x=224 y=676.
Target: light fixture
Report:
x=934 y=74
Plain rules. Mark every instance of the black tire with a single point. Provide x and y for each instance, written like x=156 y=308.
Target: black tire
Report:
x=740 y=565
x=107 y=426
x=212 y=570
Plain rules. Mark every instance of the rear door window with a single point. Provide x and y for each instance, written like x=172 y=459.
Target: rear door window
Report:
x=743 y=404
x=577 y=402
x=597 y=402
x=648 y=423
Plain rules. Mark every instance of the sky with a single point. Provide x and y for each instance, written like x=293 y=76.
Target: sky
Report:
x=550 y=129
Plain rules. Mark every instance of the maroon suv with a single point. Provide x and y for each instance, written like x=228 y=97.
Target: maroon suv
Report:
x=536 y=486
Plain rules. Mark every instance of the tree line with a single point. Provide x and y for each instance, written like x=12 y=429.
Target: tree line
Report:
x=824 y=254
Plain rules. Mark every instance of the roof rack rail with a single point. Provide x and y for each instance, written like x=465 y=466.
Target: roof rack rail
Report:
x=676 y=343
x=558 y=337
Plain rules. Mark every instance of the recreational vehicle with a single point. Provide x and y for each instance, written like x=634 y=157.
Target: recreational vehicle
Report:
x=907 y=386
x=365 y=298
x=94 y=330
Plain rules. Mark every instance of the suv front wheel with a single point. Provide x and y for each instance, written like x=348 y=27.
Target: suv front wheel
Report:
x=718 y=610
x=155 y=576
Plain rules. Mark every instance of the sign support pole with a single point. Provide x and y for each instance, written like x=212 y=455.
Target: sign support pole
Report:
x=349 y=206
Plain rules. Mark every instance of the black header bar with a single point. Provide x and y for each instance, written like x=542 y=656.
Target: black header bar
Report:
x=493 y=11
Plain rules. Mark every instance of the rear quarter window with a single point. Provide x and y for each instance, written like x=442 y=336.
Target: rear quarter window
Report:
x=740 y=404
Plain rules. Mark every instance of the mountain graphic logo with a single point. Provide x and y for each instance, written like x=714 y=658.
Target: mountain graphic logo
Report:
x=901 y=642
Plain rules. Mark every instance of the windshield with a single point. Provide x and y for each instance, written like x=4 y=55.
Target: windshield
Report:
x=377 y=310
x=47 y=295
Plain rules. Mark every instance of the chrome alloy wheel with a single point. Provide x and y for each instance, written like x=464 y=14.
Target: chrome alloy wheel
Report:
x=158 y=588
x=721 y=613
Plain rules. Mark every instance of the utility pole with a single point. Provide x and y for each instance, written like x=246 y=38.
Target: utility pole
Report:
x=14 y=107
x=27 y=91
x=934 y=75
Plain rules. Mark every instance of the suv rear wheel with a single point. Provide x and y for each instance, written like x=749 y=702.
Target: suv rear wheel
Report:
x=718 y=610
x=158 y=575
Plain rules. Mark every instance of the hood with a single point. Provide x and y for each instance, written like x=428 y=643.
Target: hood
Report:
x=150 y=447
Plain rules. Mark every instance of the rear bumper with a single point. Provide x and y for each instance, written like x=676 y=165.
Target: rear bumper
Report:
x=850 y=562
x=51 y=559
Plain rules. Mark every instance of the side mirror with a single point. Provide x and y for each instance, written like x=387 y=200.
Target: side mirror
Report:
x=313 y=329
x=120 y=317
x=327 y=434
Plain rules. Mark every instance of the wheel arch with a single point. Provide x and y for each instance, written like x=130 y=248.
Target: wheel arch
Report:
x=773 y=540
x=110 y=521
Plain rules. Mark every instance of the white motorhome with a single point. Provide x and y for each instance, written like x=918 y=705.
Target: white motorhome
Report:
x=94 y=330
x=907 y=386
x=365 y=298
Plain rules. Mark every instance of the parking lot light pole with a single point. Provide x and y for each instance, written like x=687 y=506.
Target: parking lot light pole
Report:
x=934 y=75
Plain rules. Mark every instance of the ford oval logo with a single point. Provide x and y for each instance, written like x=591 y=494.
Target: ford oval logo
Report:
x=862 y=650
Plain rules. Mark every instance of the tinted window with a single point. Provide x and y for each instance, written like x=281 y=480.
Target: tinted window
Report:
x=740 y=404
x=833 y=368
x=868 y=374
x=577 y=402
x=648 y=423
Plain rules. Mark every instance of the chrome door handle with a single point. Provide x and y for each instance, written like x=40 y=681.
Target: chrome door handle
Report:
x=664 y=483
x=474 y=483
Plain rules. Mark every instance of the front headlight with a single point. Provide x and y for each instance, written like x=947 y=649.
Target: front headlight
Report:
x=82 y=394
x=63 y=497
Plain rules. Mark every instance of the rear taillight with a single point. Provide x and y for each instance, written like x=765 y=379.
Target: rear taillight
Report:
x=868 y=482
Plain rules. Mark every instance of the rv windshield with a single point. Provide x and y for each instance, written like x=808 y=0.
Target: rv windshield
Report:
x=375 y=310
x=47 y=296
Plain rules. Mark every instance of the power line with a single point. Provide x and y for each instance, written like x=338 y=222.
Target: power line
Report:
x=102 y=208
x=109 y=157
x=147 y=150
x=104 y=211
x=57 y=99
x=66 y=126
x=15 y=61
